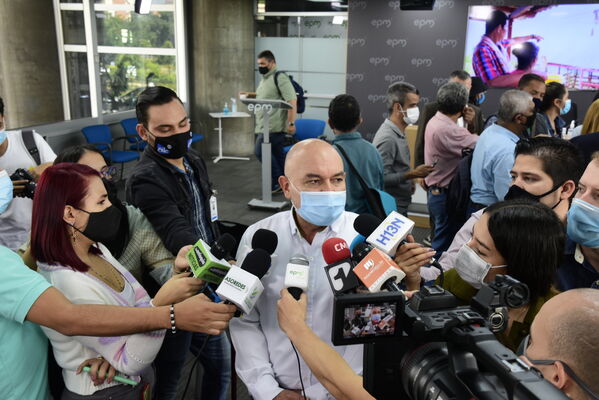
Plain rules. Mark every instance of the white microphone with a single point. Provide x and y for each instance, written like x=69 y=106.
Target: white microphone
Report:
x=296 y=275
x=242 y=286
x=386 y=236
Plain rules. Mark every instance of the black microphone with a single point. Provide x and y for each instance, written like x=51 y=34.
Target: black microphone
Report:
x=265 y=239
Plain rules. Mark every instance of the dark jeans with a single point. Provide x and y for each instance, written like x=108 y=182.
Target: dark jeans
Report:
x=278 y=156
x=215 y=358
x=442 y=234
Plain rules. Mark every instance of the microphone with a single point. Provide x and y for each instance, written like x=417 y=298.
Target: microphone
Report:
x=377 y=271
x=208 y=263
x=339 y=266
x=265 y=239
x=296 y=275
x=387 y=235
x=357 y=240
x=241 y=285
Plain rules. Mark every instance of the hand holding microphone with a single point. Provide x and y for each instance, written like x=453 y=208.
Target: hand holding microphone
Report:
x=410 y=257
x=291 y=313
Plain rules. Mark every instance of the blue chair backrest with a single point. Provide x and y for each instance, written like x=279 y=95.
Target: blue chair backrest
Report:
x=97 y=134
x=129 y=127
x=308 y=128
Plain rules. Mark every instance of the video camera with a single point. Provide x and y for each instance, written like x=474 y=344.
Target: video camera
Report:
x=437 y=348
x=22 y=175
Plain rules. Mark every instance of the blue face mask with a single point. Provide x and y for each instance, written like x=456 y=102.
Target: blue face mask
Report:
x=321 y=208
x=481 y=99
x=2 y=135
x=5 y=191
x=566 y=108
x=583 y=224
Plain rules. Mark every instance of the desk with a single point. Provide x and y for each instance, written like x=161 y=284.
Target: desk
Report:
x=220 y=117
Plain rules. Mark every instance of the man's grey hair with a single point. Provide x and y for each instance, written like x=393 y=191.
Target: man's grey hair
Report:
x=452 y=98
x=513 y=102
x=398 y=92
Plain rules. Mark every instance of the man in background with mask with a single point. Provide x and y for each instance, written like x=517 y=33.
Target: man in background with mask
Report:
x=390 y=141
x=15 y=153
x=314 y=181
x=545 y=170
x=580 y=268
x=170 y=186
x=444 y=144
x=275 y=85
x=493 y=156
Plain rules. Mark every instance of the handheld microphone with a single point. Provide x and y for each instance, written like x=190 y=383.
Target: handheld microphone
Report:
x=296 y=275
x=265 y=239
x=339 y=266
x=208 y=263
x=387 y=235
x=242 y=286
x=357 y=240
x=377 y=271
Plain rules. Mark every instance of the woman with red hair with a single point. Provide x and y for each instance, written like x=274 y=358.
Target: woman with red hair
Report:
x=72 y=216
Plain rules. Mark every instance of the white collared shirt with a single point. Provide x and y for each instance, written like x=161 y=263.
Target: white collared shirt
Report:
x=265 y=359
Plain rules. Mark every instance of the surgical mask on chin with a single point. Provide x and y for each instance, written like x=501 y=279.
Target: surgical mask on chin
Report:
x=471 y=268
x=583 y=223
x=321 y=208
x=3 y=135
x=411 y=115
x=5 y=191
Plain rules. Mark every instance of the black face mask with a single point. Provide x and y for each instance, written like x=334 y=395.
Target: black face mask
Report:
x=119 y=242
x=263 y=70
x=102 y=226
x=538 y=103
x=517 y=193
x=174 y=146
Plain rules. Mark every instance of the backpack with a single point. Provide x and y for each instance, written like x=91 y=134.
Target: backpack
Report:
x=31 y=146
x=299 y=91
x=458 y=191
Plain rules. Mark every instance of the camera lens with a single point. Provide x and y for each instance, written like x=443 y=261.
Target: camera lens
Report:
x=425 y=374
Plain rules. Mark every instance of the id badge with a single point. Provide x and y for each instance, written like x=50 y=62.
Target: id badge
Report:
x=213 y=209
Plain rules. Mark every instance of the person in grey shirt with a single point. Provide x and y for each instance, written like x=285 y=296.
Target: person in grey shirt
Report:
x=390 y=141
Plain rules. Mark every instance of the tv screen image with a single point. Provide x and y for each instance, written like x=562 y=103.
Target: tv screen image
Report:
x=369 y=320
x=558 y=42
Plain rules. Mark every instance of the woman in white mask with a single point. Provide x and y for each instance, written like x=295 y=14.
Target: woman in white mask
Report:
x=519 y=238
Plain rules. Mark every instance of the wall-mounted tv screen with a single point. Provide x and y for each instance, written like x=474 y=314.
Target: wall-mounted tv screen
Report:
x=558 y=42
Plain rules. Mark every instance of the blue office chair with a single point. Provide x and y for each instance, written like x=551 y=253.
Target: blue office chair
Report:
x=306 y=128
x=129 y=127
x=100 y=137
x=137 y=143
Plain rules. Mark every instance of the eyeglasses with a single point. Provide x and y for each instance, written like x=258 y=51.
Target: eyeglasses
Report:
x=569 y=371
x=108 y=172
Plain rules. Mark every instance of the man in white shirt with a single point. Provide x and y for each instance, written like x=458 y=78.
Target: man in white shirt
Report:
x=314 y=181
x=15 y=222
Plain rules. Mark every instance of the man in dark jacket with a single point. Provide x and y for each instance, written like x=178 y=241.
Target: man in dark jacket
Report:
x=170 y=186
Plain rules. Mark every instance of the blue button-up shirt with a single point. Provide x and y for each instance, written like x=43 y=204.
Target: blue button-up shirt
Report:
x=576 y=272
x=369 y=164
x=492 y=162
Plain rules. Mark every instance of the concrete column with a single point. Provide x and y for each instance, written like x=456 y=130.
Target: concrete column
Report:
x=221 y=64
x=29 y=74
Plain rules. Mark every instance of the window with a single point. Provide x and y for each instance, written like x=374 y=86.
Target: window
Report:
x=122 y=52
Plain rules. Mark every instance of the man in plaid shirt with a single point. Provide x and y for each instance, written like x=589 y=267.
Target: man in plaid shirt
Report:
x=490 y=58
